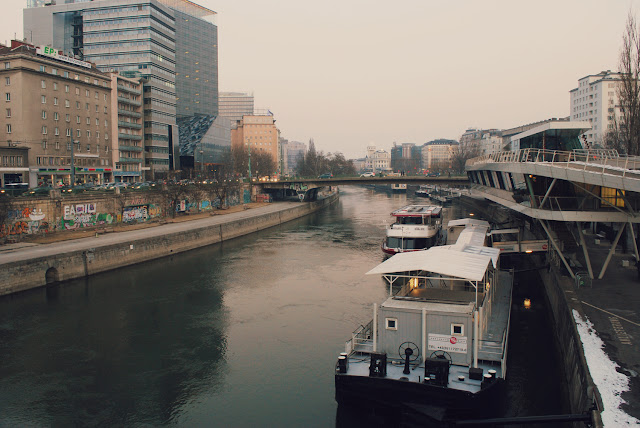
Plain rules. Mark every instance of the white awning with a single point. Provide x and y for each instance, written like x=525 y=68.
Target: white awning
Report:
x=447 y=260
x=468 y=222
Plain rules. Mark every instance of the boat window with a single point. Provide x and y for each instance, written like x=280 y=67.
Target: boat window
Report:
x=416 y=244
x=392 y=323
x=394 y=242
x=457 y=329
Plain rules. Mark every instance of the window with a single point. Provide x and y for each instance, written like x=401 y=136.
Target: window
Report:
x=88 y=134
x=88 y=147
x=77 y=105
x=55 y=101
x=66 y=88
x=54 y=71
x=78 y=133
x=8 y=112
x=97 y=122
x=44 y=114
x=67 y=118
x=56 y=132
x=55 y=116
x=43 y=84
x=8 y=128
x=457 y=329
x=86 y=93
x=97 y=107
x=7 y=65
x=43 y=68
x=69 y=135
x=106 y=123
x=391 y=323
x=106 y=136
x=105 y=109
x=97 y=95
x=76 y=77
x=77 y=119
x=43 y=99
x=86 y=106
x=7 y=80
x=88 y=121
x=44 y=130
x=8 y=96
x=66 y=74
x=68 y=144
x=66 y=103
x=44 y=145
x=77 y=91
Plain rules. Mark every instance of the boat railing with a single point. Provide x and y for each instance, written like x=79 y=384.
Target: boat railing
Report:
x=361 y=339
x=596 y=160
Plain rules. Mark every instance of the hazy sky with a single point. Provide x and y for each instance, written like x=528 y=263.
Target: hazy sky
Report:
x=351 y=73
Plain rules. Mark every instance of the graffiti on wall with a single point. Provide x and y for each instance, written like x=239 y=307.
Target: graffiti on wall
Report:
x=24 y=221
x=83 y=215
x=140 y=213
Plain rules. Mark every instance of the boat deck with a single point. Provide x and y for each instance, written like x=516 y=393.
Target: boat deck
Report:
x=496 y=324
x=359 y=366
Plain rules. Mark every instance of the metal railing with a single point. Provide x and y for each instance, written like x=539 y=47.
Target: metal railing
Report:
x=362 y=338
x=597 y=160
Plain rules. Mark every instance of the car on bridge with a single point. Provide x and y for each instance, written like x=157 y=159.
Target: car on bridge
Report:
x=368 y=174
x=327 y=175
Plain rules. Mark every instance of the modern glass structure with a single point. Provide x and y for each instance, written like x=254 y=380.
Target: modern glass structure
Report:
x=234 y=105
x=139 y=38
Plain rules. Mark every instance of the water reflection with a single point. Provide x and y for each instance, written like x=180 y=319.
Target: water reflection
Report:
x=240 y=334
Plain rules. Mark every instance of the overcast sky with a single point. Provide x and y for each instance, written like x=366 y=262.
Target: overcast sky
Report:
x=351 y=73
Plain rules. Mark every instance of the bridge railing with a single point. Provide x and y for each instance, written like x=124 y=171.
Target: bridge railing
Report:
x=604 y=159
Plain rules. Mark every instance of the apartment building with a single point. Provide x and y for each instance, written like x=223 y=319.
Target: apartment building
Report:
x=234 y=105
x=59 y=109
x=259 y=134
x=438 y=154
x=595 y=100
x=126 y=128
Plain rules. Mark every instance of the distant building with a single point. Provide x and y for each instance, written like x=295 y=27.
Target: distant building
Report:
x=484 y=141
x=595 y=100
x=259 y=134
x=377 y=160
x=406 y=158
x=292 y=153
x=438 y=154
x=58 y=108
x=234 y=105
x=127 y=126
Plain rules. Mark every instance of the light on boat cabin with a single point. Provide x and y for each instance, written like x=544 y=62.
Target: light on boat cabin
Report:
x=527 y=303
x=471 y=214
x=488 y=285
x=413 y=283
x=529 y=251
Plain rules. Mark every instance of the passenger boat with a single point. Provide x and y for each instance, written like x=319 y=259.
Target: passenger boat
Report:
x=399 y=187
x=424 y=190
x=416 y=227
x=436 y=348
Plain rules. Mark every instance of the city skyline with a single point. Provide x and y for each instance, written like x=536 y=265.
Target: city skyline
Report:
x=355 y=74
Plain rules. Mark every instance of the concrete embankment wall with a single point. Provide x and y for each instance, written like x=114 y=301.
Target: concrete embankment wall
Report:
x=37 y=272
x=581 y=390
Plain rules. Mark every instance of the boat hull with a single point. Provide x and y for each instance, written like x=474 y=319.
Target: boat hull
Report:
x=431 y=401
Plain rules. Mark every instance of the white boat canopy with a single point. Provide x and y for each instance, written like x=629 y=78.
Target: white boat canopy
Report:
x=468 y=263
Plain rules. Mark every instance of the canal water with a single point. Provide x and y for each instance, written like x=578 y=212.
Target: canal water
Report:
x=243 y=334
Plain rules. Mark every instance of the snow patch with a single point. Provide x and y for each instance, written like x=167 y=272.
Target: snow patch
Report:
x=610 y=383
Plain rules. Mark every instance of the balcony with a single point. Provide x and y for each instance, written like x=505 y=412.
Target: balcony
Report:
x=129 y=113
x=122 y=136
x=129 y=101
x=130 y=125
x=128 y=89
x=130 y=160
x=130 y=148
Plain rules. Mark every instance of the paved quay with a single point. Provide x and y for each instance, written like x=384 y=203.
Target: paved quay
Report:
x=612 y=305
x=25 y=251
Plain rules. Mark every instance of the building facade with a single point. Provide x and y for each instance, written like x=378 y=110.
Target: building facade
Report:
x=234 y=105
x=139 y=38
x=377 y=160
x=482 y=141
x=406 y=158
x=438 y=154
x=596 y=101
x=292 y=153
x=127 y=125
x=257 y=133
x=59 y=109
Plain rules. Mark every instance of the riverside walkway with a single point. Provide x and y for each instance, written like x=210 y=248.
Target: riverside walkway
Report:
x=12 y=253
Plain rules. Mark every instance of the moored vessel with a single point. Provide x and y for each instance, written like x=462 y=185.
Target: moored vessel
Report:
x=416 y=227
x=437 y=346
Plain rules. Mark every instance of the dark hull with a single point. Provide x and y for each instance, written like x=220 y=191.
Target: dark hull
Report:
x=429 y=402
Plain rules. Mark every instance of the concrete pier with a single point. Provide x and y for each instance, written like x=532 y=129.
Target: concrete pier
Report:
x=38 y=265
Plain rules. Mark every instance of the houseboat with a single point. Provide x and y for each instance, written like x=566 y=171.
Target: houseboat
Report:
x=416 y=227
x=437 y=346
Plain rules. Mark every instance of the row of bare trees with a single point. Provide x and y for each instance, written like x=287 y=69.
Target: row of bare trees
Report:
x=314 y=163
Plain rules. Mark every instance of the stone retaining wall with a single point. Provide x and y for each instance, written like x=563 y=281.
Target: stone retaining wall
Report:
x=41 y=271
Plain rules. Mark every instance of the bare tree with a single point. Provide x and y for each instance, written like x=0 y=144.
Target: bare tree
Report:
x=170 y=196
x=461 y=154
x=6 y=205
x=628 y=89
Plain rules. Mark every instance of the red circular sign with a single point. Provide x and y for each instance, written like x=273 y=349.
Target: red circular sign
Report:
x=453 y=340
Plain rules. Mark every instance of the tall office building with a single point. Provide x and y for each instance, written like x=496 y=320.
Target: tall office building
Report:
x=234 y=105
x=152 y=39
